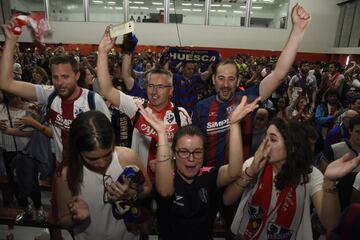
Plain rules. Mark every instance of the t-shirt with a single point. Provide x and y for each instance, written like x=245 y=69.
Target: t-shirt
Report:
x=211 y=116
x=144 y=138
x=62 y=112
x=356 y=184
x=186 y=214
x=302 y=86
x=313 y=186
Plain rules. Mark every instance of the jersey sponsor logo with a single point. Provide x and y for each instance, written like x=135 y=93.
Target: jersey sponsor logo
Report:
x=62 y=123
x=217 y=127
x=203 y=195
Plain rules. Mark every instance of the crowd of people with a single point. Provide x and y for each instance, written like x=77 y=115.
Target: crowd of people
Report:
x=268 y=146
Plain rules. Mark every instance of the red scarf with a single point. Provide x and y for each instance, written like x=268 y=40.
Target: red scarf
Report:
x=280 y=221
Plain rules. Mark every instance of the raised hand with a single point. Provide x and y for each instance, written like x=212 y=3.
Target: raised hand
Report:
x=106 y=43
x=342 y=166
x=261 y=157
x=154 y=121
x=8 y=27
x=243 y=109
x=300 y=17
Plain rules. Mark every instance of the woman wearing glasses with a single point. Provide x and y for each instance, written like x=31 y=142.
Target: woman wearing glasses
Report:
x=86 y=182
x=186 y=190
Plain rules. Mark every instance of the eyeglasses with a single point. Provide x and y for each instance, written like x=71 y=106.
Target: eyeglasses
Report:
x=107 y=180
x=157 y=86
x=183 y=153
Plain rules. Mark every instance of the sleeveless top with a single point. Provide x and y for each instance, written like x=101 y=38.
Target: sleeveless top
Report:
x=102 y=224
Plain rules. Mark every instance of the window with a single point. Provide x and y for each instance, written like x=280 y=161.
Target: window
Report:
x=66 y=10
x=106 y=11
x=227 y=13
x=27 y=5
x=187 y=11
x=146 y=10
x=269 y=13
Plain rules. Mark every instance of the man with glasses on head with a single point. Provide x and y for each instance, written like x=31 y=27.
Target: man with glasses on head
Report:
x=159 y=90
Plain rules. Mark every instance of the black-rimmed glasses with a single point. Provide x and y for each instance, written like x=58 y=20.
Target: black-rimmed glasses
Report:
x=107 y=180
x=157 y=86
x=183 y=153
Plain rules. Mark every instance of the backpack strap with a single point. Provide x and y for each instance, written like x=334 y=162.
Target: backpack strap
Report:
x=91 y=100
x=177 y=116
x=51 y=98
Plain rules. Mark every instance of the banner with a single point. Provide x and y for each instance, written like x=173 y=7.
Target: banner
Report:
x=202 y=57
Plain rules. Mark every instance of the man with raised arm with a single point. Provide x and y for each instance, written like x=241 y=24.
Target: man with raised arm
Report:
x=159 y=89
x=68 y=99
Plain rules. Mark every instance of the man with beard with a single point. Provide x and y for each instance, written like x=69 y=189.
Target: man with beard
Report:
x=212 y=113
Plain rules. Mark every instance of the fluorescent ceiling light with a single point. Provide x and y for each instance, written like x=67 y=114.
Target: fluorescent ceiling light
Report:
x=145 y=8
x=196 y=10
x=257 y=7
x=212 y=10
x=71 y=7
x=198 y=4
x=243 y=7
x=111 y=3
x=157 y=3
x=215 y=5
x=227 y=5
x=172 y=9
x=222 y=11
x=158 y=9
x=134 y=7
x=138 y=2
x=268 y=1
x=186 y=10
x=118 y=8
x=106 y=7
x=97 y=1
x=186 y=4
x=238 y=12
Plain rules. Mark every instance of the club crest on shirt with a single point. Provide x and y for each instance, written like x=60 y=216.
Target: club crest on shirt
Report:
x=203 y=195
x=275 y=232
x=169 y=117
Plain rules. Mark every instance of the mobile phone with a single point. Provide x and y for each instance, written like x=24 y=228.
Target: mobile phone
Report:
x=122 y=29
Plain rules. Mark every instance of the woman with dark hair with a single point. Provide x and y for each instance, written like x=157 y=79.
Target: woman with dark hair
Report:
x=301 y=111
x=86 y=180
x=278 y=184
x=187 y=191
x=86 y=78
x=39 y=76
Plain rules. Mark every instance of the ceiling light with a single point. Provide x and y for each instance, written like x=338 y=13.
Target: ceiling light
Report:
x=186 y=4
x=157 y=3
x=145 y=8
x=186 y=10
x=118 y=8
x=257 y=7
x=243 y=7
x=227 y=5
x=222 y=11
x=97 y=1
x=198 y=4
x=134 y=7
x=196 y=10
x=212 y=10
x=268 y=1
x=111 y=3
x=215 y=5
x=238 y=12
x=138 y=2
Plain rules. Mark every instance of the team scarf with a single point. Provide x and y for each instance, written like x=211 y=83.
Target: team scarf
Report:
x=259 y=219
x=333 y=79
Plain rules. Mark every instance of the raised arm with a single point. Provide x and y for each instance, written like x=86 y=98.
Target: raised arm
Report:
x=126 y=71
x=229 y=172
x=164 y=170
x=206 y=74
x=106 y=88
x=7 y=83
x=326 y=201
x=300 y=19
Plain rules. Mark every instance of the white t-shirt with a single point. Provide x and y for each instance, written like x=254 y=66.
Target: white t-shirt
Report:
x=144 y=138
x=62 y=113
x=314 y=185
x=297 y=89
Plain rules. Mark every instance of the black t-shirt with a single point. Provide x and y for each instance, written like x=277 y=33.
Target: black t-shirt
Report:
x=186 y=215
